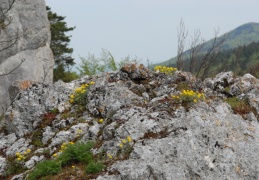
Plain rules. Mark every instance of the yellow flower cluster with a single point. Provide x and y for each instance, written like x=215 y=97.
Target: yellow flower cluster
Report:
x=79 y=92
x=78 y=132
x=100 y=121
x=109 y=156
x=125 y=141
x=22 y=156
x=62 y=148
x=164 y=69
x=190 y=96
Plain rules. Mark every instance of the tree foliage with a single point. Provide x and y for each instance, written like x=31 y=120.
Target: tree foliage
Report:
x=241 y=60
x=94 y=65
x=60 y=46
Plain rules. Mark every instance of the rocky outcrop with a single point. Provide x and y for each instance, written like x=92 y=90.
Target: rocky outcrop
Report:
x=30 y=27
x=171 y=139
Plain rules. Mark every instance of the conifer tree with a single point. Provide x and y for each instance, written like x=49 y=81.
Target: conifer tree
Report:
x=60 y=46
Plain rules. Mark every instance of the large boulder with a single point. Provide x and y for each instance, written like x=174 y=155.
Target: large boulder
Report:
x=29 y=32
x=169 y=139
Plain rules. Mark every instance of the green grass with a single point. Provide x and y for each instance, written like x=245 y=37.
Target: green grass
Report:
x=44 y=168
x=94 y=167
x=13 y=167
x=239 y=106
x=73 y=154
x=78 y=152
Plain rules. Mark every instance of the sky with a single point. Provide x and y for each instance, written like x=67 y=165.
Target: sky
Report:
x=147 y=29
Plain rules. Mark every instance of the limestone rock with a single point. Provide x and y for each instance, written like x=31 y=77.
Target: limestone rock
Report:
x=33 y=161
x=29 y=23
x=2 y=165
x=168 y=139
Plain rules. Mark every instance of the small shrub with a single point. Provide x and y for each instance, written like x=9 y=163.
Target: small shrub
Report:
x=189 y=96
x=75 y=153
x=239 y=106
x=79 y=95
x=183 y=86
x=44 y=168
x=54 y=111
x=125 y=146
x=94 y=167
x=36 y=138
x=70 y=155
x=14 y=167
x=166 y=70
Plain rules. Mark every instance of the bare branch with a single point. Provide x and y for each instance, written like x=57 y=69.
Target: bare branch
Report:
x=210 y=55
x=11 y=71
x=10 y=42
x=5 y=41
x=197 y=44
x=181 y=34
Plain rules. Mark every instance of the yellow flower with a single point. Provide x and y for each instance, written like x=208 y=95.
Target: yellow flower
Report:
x=109 y=156
x=71 y=143
x=73 y=167
x=24 y=152
x=195 y=100
x=91 y=83
x=17 y=154
x=124 y=141
x=28 y=150
x=55 y=155
x=79 y=131
x=121 y=145
x=100 y=121
x=18 y=159
x=129 y=139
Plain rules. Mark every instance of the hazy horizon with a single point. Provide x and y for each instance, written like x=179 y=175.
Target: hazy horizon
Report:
x=146 y=29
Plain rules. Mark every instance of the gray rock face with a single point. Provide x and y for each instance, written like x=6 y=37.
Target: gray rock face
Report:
x=27 y=111
x=170 y=139
x=28 y=22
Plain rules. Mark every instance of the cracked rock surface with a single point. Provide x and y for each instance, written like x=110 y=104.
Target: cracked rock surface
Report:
x=170 y=140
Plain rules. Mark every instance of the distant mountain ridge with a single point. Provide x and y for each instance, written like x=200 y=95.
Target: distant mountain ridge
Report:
x=240 y=36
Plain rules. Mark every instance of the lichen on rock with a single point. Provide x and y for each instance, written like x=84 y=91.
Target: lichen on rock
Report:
x=140 y=124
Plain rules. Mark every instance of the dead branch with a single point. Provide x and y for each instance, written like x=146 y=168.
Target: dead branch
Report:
x=181 y=34
x=210 y=55
x=11 y=71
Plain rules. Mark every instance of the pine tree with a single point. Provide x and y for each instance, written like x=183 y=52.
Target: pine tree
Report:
x=60 y=46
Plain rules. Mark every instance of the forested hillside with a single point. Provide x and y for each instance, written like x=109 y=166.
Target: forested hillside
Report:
x=236 y=40
x=241 y=60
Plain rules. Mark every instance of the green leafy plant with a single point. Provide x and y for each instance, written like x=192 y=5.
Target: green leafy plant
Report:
x=15 y=163
x=54 y=111
x=44 y=168
x=94 y=167
x=13 y=167
x=239 y=106
x=75 y=153
x=125 y=146
x=69 y=155
x=79 y=95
